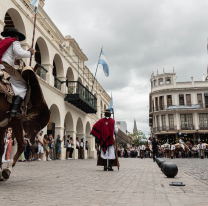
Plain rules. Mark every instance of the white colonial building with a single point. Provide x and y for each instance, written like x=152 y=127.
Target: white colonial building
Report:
x=178 y=109
x=65 y=80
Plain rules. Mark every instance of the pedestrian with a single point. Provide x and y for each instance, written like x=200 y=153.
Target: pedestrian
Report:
x=40 y=146
x=81 y=149
x=87 y=146
x=171 y=150
x=155 y=145
x=104 y=131
x=51 y=146
x=78 y=146
x=68 y=142
x=72 y=147
x=27 y=148
x=201 y=148
x=9 y=146
x=6 y=142
x=58 y=147
x=141 y=149
x=46 y=147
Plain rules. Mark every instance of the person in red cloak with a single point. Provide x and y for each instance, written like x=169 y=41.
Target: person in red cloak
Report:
x=104 y=131
x=10 y=49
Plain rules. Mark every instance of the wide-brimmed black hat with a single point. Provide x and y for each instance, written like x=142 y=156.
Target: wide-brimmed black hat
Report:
x=107 y=111
x=11 y=32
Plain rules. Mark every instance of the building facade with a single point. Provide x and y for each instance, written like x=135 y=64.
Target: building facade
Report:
x=122 y=125
x=178 y=109
x=65 y=80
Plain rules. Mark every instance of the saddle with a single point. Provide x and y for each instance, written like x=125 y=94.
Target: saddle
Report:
x=5 y=86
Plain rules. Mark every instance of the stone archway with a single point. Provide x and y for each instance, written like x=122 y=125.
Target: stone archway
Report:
x=54 y=126
x=80 y=128
x=69 y=124
x=13 y=19
x=42 y=57
x=70 y=85
x=58 y=69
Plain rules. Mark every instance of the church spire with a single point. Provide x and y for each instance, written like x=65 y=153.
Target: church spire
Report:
x=135 y=127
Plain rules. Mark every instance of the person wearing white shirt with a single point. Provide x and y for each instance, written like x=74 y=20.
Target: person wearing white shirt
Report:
x=171 y=150
x=78 y=146
x=141 y=149
x=81 y=149
x=201 y=148
x=7 y=64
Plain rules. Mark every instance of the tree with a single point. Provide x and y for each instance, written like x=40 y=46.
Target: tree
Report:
x=138 y=137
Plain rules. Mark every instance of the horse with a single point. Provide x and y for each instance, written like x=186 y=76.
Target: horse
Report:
x=37 y=118
x=184 y=151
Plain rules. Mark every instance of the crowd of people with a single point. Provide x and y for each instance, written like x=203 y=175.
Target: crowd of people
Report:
x=167 y=150
x=44 y=144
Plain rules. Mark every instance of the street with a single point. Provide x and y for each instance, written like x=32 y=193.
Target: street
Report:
x=80 y=182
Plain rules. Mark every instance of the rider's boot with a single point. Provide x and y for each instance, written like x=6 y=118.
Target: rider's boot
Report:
x=15 y=107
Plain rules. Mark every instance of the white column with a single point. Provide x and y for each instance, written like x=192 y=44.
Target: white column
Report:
x=91 y=151
x=177 y=120
x=49 y=74
x=196 y=120
x=2 y=24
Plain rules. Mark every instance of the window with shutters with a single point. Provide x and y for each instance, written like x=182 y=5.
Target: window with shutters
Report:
x=186 y=121
x=199 y=99
x=158 y=121
x=161 y=99
x=206 y=99
x=188 y=99
x=156 y=103
x=181 y=99
x=163 y=122
x=203 y=121
x=169 y=100
x=171 y=122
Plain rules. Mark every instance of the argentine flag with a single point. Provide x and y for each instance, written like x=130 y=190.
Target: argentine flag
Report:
x=35 y=4
x=111 y=105
x=103 y=61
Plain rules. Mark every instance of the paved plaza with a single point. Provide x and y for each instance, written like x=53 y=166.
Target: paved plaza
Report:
x=80 y=182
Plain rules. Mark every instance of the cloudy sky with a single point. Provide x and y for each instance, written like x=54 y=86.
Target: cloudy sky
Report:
x=138 y=37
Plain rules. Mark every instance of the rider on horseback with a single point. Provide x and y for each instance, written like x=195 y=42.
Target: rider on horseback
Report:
x=10 y=49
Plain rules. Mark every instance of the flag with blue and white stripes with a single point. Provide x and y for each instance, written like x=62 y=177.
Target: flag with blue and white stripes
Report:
x=35 y=4
x=103 y=61
x=111 y=105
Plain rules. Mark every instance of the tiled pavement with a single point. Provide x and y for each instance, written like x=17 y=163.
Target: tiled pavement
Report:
x=80 y=182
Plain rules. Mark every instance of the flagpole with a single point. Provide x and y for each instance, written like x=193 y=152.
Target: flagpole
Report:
x=96 y=70
x=33 y=39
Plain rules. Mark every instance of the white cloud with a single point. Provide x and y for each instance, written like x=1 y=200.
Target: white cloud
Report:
x=138 y=37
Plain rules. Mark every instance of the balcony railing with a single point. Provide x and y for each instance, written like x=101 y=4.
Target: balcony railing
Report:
x=164 y=128
x=187 y=127
x=41 y=72
x=203 y=127
x=57 y=83
x=81 y=97
x=171 y=128
x=177 y=107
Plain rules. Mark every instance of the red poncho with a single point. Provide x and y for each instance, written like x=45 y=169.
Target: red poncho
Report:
x=5 y=44
x=104 y=130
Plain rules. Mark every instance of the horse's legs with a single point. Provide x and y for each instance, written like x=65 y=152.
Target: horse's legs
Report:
x=18 y=132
